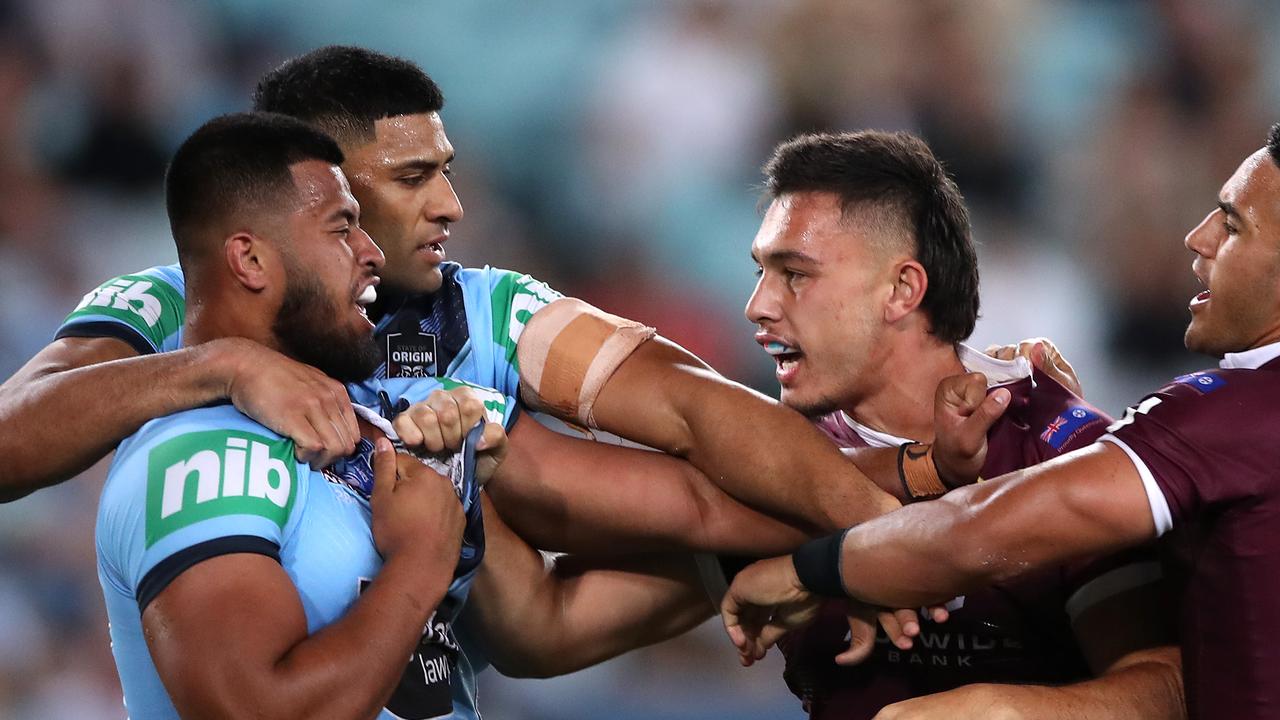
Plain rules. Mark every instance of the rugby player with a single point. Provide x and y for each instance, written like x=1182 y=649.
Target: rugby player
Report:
x=232 y=573
x=1197 y=456
x=79 y=395
x=868 y=287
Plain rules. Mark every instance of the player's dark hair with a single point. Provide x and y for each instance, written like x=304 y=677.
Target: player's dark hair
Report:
x=1273 y=143
x=236 y=164
x=344 y=90
x=899 y=173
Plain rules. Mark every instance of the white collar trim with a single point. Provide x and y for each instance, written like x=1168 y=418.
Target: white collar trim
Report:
x=1250 y=359
x=998 y=372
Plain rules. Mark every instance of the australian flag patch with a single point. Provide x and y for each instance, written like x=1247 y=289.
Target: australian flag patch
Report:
x=1203 y=382
x=1065 y=426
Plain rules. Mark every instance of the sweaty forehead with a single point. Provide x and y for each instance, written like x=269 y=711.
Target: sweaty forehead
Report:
x=816 y=224
x=1255 y=190
x=402 y=139
x=321 y=187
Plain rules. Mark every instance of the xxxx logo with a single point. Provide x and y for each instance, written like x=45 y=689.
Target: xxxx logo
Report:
x=203 y=475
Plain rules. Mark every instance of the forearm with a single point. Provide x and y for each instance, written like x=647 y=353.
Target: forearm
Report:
x=1150 y=687
x=571 y=495
x=595 y=609
x=757 y=450
x=538 y=617
x=1089 y=502
x=56 y=420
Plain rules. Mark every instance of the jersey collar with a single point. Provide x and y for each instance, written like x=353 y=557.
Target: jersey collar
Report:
x=998 y=372
x=1250 y=359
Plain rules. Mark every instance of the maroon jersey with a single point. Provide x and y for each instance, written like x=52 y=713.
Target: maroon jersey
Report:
x=1017 y=631
x=1208 y=447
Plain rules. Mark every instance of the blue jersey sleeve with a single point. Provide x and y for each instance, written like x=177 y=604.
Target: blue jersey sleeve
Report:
x=192 y=486
x=145 y=309
x=509 y=299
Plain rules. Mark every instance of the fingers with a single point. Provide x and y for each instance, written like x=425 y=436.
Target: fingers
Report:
x=939 y=613
x=900 y=626
x=960 y=395
x=441 y=421
x=492 y=450
x=384 y=472
x=862 y=634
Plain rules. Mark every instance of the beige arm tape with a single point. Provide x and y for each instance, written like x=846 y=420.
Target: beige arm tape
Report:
x=568 y=351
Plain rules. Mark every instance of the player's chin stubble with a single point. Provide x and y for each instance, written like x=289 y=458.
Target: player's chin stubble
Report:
x=307 y=328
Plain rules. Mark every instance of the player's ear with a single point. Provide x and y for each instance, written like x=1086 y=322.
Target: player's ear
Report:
x=909 y=285
x=247 y=258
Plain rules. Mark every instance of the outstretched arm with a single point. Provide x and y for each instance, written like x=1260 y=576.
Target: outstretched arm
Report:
x=79 y=397
x=759 y=451
x=574 y=495
x=1088 y=502
x=541 y=617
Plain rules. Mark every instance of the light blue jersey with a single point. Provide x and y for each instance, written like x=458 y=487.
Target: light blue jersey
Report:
x=209 y=482
x=463 y=334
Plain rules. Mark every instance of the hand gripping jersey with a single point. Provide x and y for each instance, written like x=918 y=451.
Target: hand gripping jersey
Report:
x=466 y=331
x=209 y=482
x=1018 y=631
x=1206 y=448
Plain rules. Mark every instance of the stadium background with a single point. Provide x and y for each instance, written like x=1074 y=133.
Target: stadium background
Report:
x=612 y=149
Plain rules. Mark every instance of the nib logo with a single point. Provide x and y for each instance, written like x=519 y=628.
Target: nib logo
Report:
x=125 y=294
x=204 y=475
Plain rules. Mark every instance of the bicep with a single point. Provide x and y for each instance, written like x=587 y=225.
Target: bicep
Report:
x=220 y=628
x=1091 y=501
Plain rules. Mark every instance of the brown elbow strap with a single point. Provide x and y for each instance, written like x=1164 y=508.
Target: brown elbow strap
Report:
x=568 y=351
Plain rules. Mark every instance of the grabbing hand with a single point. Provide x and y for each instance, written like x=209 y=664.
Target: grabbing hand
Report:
x=441 y=423
x=1045 y=357
x=415 y=509
x=296 y=400
x=765 y=602
x=963 y=412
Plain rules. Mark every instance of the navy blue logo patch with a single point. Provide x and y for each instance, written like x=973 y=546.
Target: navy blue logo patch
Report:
x=1065 y=426
x=1202 y=382
x=411 y=354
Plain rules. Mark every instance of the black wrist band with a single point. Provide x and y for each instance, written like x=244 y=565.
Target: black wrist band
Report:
x=817 y=564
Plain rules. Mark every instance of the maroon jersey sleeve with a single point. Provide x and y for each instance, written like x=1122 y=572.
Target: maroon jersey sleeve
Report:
x=1204 y=439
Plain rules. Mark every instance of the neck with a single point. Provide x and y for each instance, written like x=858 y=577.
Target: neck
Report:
x=222 y=313
x=899 y=400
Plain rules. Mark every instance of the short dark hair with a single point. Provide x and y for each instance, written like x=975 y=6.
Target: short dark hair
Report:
x=235 y=164
x=1273 y=143
x=897 y=172
x=344 y=90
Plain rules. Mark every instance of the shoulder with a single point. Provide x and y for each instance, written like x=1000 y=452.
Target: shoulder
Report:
x=1061 y=420
x=197 y=465
x=145 y=309
x=1214 y=406
x=506 y=285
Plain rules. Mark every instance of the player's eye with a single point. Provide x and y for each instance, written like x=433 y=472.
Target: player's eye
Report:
x=1231 y=229
x=446 y=170
x=412 y=180
x=759 y=271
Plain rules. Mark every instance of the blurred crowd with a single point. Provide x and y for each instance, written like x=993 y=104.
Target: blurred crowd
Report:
x=612 y=149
